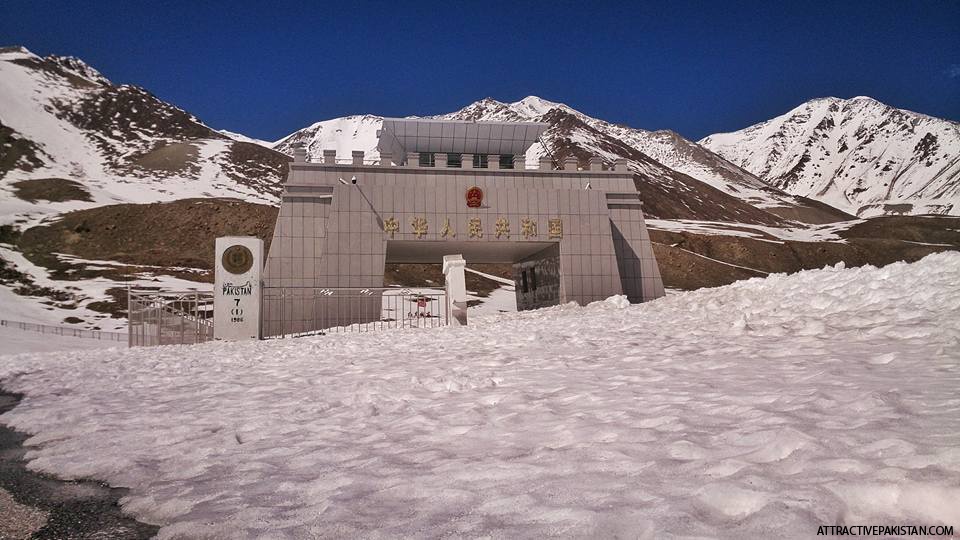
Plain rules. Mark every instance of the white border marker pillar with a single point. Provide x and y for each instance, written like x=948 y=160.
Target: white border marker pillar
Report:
x=236 y=290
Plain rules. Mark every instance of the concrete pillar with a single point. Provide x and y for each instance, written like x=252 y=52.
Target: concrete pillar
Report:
x=440 y=160
x=596 y=163
x=456 y=285
x=466 y=161
x=357 y=157
x=493 y=161
x=330 y=157
x=620 y=165
x=546 y=164
x=570 y=163
x=520 y=162
x=413 y=159
x=386 y=159
x=299 y=154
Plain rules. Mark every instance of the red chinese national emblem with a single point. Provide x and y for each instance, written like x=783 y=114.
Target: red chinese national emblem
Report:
x=474 y=197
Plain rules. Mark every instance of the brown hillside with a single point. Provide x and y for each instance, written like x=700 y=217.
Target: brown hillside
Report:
x=182 y=233
x=690 y=261
x=178 y=233
x=50 y=189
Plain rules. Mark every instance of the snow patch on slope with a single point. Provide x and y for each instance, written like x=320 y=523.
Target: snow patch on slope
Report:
x=344 y=135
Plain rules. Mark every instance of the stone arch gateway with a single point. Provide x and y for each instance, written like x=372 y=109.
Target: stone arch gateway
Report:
x=570 y=234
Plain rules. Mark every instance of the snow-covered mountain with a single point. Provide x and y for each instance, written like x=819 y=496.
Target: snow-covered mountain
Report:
x=570 y=127
x=63 y=121
x=666 y=161
x=71 y=140
x=65 y=124
x=856 y=154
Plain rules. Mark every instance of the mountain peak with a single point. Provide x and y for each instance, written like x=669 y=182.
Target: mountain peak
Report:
x=534 y=106
x=855 y=102
x=16 y=51
x=59 y=66
x=842 y=101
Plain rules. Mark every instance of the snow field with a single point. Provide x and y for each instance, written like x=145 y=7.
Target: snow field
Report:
x=763 y=408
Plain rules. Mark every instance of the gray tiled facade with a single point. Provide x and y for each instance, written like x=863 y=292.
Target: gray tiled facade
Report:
x=333 y=233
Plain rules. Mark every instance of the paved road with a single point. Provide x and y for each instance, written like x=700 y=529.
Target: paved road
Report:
x=35 y=505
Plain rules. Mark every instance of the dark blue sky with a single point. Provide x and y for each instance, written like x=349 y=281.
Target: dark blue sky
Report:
x=267 y=69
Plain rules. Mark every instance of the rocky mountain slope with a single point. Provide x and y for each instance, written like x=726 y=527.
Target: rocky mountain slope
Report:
x=63 y=123
x=858 y=155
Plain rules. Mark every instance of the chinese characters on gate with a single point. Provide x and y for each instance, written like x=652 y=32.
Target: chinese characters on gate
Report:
x=501 y=227
x=419 y=227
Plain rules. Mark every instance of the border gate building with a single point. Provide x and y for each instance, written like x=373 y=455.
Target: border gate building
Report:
x=445 y=187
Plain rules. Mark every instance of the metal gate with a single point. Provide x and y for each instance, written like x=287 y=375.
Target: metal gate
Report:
x=169 y=317
x=186 y=317
x=294 y=311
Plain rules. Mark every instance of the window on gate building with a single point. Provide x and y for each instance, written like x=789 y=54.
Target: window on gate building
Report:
x=479 y=161
x=454 y=160
x=506 y=161
x=427 y=159
x=523 y=281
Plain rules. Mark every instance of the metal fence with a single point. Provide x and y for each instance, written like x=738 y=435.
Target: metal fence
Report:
x=169 y=317
x=65 y=331
x=295 y=311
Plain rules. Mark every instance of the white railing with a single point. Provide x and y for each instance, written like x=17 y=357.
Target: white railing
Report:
x=296 y=311
x=65 y=331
